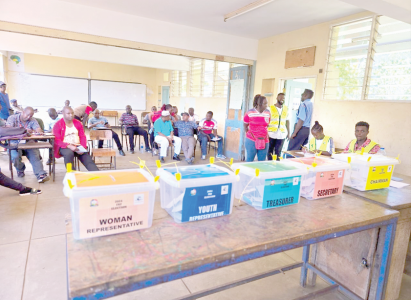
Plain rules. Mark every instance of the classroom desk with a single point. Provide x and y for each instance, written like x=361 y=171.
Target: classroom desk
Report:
x=103 y=267
x=396 y=199
x=299 y=153
x=39 y=145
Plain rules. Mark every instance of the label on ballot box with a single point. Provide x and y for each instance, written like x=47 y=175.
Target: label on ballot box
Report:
x=379 y=177
x=205 y=202
x=281 y=191
x=328 y=183
x=104 y=215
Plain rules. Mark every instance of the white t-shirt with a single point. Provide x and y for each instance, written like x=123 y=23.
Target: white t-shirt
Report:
x=279 y=135
x=194 y=118
x=71 y=135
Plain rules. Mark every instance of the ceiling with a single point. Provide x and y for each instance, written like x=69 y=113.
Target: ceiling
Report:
x=277 y=17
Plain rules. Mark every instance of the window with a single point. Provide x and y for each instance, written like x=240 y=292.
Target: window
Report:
x=179 y=84
x=209 y=78
x=369 y=59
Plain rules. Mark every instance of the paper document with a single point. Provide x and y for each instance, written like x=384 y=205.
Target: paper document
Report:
x=81 y=149
x=236 y=93
x=216 y=139
x=397 y=184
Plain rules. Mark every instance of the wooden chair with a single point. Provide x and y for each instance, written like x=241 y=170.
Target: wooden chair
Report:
x=159 y=149
x=125 y=134
x=105 y=135
x=110 y=113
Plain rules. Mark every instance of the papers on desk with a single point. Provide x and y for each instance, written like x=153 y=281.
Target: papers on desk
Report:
x=398 y=185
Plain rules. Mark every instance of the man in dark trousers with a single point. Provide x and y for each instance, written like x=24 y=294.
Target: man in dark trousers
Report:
x=303 y=121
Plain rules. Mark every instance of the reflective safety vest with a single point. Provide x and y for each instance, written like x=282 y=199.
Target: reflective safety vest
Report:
x=277 y=121
x=323 y=147
x=367 y=149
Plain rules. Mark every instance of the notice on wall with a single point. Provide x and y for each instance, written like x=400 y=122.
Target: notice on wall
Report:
x=15 y=61
x=236 y=93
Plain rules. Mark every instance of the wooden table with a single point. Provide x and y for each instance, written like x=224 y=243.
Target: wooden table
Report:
x=297 y=153
x=103 y=267
x=36 y=145
x=397 y=199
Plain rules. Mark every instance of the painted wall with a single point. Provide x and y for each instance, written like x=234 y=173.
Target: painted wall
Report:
x=390 y=121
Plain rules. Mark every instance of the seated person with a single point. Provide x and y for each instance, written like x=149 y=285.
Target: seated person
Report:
x=193 y=117
x=2 y=122
x=54 y=117
x=186 y=133
x=164 y=135
x=209 y=131
x=147 y=118
x=15 y=107
x=82 y=112
x=319 y=142
x=131 y=122
x=175 y=113
x=101 y=122
x=26 y=120
x=361 y=141
x=14 y=185
x=69 y=135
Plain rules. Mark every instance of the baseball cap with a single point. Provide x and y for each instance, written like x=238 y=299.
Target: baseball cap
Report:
x=185 y=113
x=2 y=83
x=165 y=113
x=13 y=100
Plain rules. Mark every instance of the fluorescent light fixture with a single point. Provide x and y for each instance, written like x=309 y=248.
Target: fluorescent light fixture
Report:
x=246 y=9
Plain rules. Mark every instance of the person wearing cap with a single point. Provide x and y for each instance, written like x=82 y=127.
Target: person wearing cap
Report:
x=15 y=107
x=186 y=133
x=164 y=136
x=4 y=102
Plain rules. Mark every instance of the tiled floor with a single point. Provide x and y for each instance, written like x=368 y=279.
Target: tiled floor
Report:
x=33 y=252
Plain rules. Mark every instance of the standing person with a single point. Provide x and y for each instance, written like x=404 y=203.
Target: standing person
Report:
x=209 y=132
x=278 y=127
x=70 y=136
x=14 y=185
x=303 y=121
x=193 y=117
x=82 y=112
x=54 y=117
x=186 y=133
x=101 y=122
x=66 y=103
x=319 y=141
x=256 y=121
x=130 y=120
x=362 y=129
x=15 y=107
x=164 y=135
x=25 y=120
x=4 y=102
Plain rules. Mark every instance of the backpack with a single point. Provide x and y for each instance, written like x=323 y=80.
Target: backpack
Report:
x=11 y=132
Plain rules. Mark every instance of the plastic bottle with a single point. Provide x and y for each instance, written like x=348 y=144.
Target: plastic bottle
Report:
x=141 y=148
x=381 y=152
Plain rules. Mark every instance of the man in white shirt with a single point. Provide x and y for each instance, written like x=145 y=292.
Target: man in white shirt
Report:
x=192 y=116
x=278 y=128
x=54 y=117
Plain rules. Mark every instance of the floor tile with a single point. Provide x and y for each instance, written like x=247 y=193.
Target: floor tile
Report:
x=165 y=291
x=46 y=277
x=296 y=254
x=49 y=218
x=16 y=220
x=12 y=265
x=405 y=292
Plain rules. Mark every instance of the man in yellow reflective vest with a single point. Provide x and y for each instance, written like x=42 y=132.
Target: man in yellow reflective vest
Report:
x=361 y=133
x=278 y=128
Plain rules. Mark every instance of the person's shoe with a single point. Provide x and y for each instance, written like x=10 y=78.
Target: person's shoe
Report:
x=192 y=159
x=148 y=150
x=203 y=157
x=29 y=191
x=43 y=178
x=121 y=152
x=162 y=159
x=20 y=174
x=176 y=157
x=49 y=162
x=189 y=161
x=220 y=156
x=155 y=152
x=131 y=151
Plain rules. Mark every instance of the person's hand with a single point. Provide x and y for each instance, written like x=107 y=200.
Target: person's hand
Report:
x=208 y=137
x=72 y=148
x=304 y=149
x=101 y=122
x=170 y=140
x=199 y=128
x=294 y=135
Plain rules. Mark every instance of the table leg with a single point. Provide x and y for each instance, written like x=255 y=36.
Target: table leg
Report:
x=50 y=161
x=304 y=269
x=10 y=163
x=53 y=159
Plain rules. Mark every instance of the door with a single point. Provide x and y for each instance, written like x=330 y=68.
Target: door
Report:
x=165 y=94
x=237 y=96
x=293 y=91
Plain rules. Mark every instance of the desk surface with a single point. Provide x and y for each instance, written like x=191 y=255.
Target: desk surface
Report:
x=169 y=248
x=35 y=137
x=390 y=198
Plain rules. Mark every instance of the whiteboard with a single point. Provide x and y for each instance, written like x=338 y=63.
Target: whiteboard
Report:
x=117 y=95
x=47 y=91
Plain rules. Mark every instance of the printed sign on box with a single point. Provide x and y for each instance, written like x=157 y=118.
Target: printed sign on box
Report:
x=379 y=177
x=206 y=202
x=328 y=184
x=104 y=215
x=281 y=191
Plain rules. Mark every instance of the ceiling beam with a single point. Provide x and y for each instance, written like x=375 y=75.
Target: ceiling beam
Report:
x=246 y=9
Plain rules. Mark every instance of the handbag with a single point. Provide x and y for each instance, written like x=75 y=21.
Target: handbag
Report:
x=259 y=142
x=11 y=132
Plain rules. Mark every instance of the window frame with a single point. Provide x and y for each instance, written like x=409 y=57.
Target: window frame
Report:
x=368 y=68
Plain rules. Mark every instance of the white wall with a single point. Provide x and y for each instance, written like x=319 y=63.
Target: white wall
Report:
x=84 y=19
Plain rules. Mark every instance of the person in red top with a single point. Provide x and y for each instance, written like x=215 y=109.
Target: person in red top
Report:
x=256 y=121
x=208 y=132
x=70 y=136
